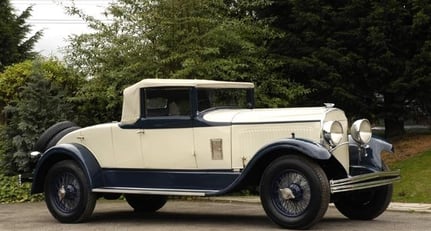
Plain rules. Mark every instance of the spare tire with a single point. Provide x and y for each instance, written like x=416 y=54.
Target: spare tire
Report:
x=60 y=135
x=46 y=137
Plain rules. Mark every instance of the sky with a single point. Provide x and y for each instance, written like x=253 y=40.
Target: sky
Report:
x=51 y=17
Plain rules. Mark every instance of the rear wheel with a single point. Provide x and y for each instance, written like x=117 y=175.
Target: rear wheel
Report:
x=146 y=203
x=294 y=192
x=68 y=193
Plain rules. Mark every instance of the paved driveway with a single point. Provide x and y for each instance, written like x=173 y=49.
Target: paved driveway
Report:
x=193 y=215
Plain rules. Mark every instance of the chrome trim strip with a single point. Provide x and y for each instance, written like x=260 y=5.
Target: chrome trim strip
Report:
x=154 y=191
x=364 y=181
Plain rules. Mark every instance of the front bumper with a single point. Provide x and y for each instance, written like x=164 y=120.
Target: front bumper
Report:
x=364 y=181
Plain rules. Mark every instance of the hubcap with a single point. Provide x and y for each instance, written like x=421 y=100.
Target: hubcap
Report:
x=68 y=192
x=65 y=192
x=291 y=193
x=61 y=193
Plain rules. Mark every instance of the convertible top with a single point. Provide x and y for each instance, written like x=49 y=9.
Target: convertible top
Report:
x=131 y=100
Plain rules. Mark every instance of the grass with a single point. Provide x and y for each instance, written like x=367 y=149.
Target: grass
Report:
x=413 y=157
x=415 y=184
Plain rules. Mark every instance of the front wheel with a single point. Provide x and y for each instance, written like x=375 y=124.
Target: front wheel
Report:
x=68 y=193
x=294 y=192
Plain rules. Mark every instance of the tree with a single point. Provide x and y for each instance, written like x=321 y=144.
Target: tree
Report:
x=15 y=43
x=37 y=98
x=14 y=77
x=369 y=57
x=177 y=39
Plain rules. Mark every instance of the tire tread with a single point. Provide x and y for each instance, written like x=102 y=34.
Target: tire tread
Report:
x=45 y=138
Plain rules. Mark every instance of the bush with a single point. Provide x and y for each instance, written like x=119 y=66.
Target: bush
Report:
x=39 y=99
x=11 y=191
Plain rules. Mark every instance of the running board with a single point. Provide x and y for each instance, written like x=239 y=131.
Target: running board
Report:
x=155 y=191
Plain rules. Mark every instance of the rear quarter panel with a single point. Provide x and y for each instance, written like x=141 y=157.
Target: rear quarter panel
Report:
x=97 y=139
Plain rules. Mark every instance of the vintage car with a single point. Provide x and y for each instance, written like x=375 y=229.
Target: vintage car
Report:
x=206 y=138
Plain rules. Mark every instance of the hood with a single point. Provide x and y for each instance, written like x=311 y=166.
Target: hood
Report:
x=274 y=115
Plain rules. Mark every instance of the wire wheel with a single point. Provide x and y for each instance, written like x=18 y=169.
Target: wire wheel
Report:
x=294 y=192
x=68 y=194
x=291 y=193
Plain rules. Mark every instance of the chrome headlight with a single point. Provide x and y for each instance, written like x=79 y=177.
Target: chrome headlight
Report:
x=361 y=131
x=333 y=132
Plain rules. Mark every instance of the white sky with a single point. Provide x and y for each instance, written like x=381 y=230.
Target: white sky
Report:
x=50 y=16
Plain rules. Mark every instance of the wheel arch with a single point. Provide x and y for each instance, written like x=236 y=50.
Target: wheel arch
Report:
x=75 y=152
x=252 y=173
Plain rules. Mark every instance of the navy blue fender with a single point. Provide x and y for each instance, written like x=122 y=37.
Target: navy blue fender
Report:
x=311 y=149
x=367 y=159
x=270 y=152
x=76 y=152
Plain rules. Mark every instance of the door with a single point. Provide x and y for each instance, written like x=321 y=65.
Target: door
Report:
x=167 y=129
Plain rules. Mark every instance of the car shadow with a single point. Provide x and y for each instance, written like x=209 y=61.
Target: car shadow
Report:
x=172 y=219
x=209 y=216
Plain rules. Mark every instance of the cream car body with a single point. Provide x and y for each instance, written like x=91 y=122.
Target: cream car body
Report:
x=206 y=138
x=244 y=133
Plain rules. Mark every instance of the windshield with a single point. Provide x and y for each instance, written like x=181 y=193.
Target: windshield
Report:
x=224 y=97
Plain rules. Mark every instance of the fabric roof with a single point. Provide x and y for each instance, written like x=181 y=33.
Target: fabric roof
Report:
x=131 y=95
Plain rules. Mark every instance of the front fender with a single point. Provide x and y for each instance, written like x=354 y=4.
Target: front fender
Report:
x=255 y=167
x=311 y=149
x=76 y=152
x=367 y=159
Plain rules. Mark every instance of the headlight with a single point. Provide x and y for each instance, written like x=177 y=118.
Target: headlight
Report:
x=361 y=131
x=333 y=132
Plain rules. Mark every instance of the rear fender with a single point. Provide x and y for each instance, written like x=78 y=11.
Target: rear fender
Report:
x=76 y=152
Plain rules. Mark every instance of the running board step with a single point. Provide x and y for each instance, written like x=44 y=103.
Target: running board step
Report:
x=155 y=191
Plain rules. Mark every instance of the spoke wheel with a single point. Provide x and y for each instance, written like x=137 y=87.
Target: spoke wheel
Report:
x=291 y=193
x=294 y=192
x=67 y=193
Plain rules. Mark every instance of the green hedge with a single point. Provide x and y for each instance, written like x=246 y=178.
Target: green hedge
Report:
x=12 y=192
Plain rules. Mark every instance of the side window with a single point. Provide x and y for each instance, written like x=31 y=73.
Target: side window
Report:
x=162 y=102
x=224 y=97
